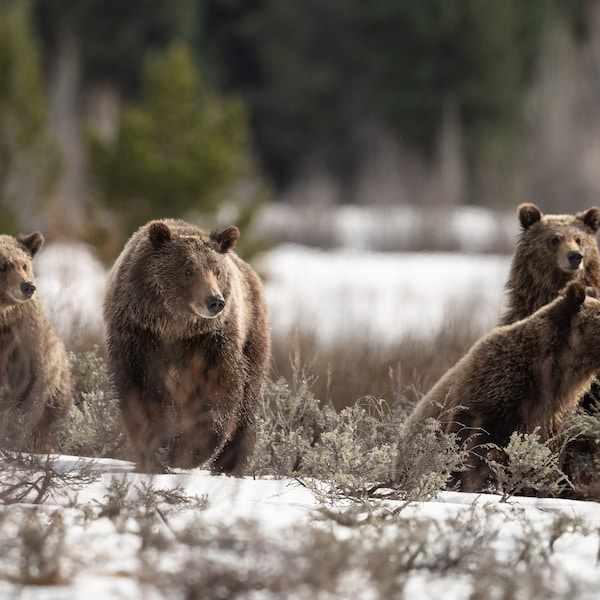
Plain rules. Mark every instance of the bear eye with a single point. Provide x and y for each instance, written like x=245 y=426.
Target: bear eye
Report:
x=555 y=241
x=189 y=272
x=578 y=241
x=3 y=266
x=217 y=272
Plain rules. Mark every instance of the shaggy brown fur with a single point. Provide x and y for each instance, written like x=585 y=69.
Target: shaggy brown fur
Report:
x=35 y=380
x=517 y=378
x=552 y=251
x=189 y=344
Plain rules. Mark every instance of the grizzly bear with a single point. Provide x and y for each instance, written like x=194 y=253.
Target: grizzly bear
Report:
x=35 y=378
x=518 y=377
x=552 y=251
x=189 y=345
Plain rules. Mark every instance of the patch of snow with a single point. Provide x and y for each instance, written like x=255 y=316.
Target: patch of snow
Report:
x=379 y=295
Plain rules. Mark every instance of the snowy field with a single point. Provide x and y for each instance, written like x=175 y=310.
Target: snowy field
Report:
x=267 y=539
x=377 y=295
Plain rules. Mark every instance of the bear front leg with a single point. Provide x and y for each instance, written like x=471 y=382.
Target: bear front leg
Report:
x=148 y=430
x=234 y=458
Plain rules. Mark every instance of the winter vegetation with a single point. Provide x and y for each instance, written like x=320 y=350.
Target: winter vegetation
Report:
x=372 y=155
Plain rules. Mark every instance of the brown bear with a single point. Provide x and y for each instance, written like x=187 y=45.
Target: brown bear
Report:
x=518 y=377
x=188 y=345
x=35 y=377
x=552 y=251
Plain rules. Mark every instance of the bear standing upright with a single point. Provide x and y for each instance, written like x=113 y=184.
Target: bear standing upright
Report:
x=552 y=251
x=189 y=345
x=35 y=378
x=516 y=378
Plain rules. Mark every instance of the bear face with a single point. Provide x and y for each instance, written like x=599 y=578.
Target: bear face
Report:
x=16 y=271
x=552 y=251
x=565 y=238
x=191 y=271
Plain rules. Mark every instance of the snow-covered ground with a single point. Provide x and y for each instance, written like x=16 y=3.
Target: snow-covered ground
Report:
x=261 y=531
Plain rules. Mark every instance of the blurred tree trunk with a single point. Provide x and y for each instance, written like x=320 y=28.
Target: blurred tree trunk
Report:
x=67 y=202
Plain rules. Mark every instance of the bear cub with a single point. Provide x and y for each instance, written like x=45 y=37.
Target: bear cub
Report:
x=188 y=345
x=35 y=377
x=519 y=377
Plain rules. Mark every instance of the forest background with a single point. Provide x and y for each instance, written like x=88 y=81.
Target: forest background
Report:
x=112 y=113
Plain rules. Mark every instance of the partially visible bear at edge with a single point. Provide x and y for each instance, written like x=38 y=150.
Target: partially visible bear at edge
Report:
x=552 y=251
x=189 y=346
x=35 y=378
x=529 y=374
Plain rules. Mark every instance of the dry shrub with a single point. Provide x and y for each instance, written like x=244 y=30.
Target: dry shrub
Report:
x=93 y=428
x=35 y=478
x=531 y=467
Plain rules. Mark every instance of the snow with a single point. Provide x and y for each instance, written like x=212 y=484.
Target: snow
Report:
x=382 y=295
x=104 y=557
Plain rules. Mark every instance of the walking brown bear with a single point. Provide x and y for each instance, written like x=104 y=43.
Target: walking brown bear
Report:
x=188 y=344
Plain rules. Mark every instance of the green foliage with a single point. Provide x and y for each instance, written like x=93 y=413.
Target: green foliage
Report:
x=178 y=153
x=28 y=161
x=477 y=54
x=108 y=49
x=316 y=72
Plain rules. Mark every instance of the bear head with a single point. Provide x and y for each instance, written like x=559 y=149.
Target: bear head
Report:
x=561 y=242
x=191 y=268
x=16 y=271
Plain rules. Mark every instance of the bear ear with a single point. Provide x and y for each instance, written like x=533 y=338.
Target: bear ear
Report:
x=32 y=242
x=159 y=233
x=575 y=294
x=591 y=218
x=225 y=238
x=529 y=214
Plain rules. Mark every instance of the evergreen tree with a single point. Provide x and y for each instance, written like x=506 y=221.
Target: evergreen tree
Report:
x=178 y=153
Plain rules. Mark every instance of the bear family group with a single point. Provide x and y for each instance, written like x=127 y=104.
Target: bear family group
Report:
x=188 y=346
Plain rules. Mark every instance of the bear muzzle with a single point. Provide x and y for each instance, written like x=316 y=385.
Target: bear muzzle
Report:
x=212 y=307
x=574 y=259
x=27 y=288
x=23 y=293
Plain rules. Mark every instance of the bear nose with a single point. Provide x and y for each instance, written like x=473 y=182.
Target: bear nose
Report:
x=215 y=304
x=574 y=257
x=27 y=288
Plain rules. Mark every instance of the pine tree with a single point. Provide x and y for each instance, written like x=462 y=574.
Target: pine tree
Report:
x=178 y=153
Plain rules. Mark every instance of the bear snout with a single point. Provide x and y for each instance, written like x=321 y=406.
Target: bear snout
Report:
x=215 y=303
x=27 y=289
x=575 y=258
